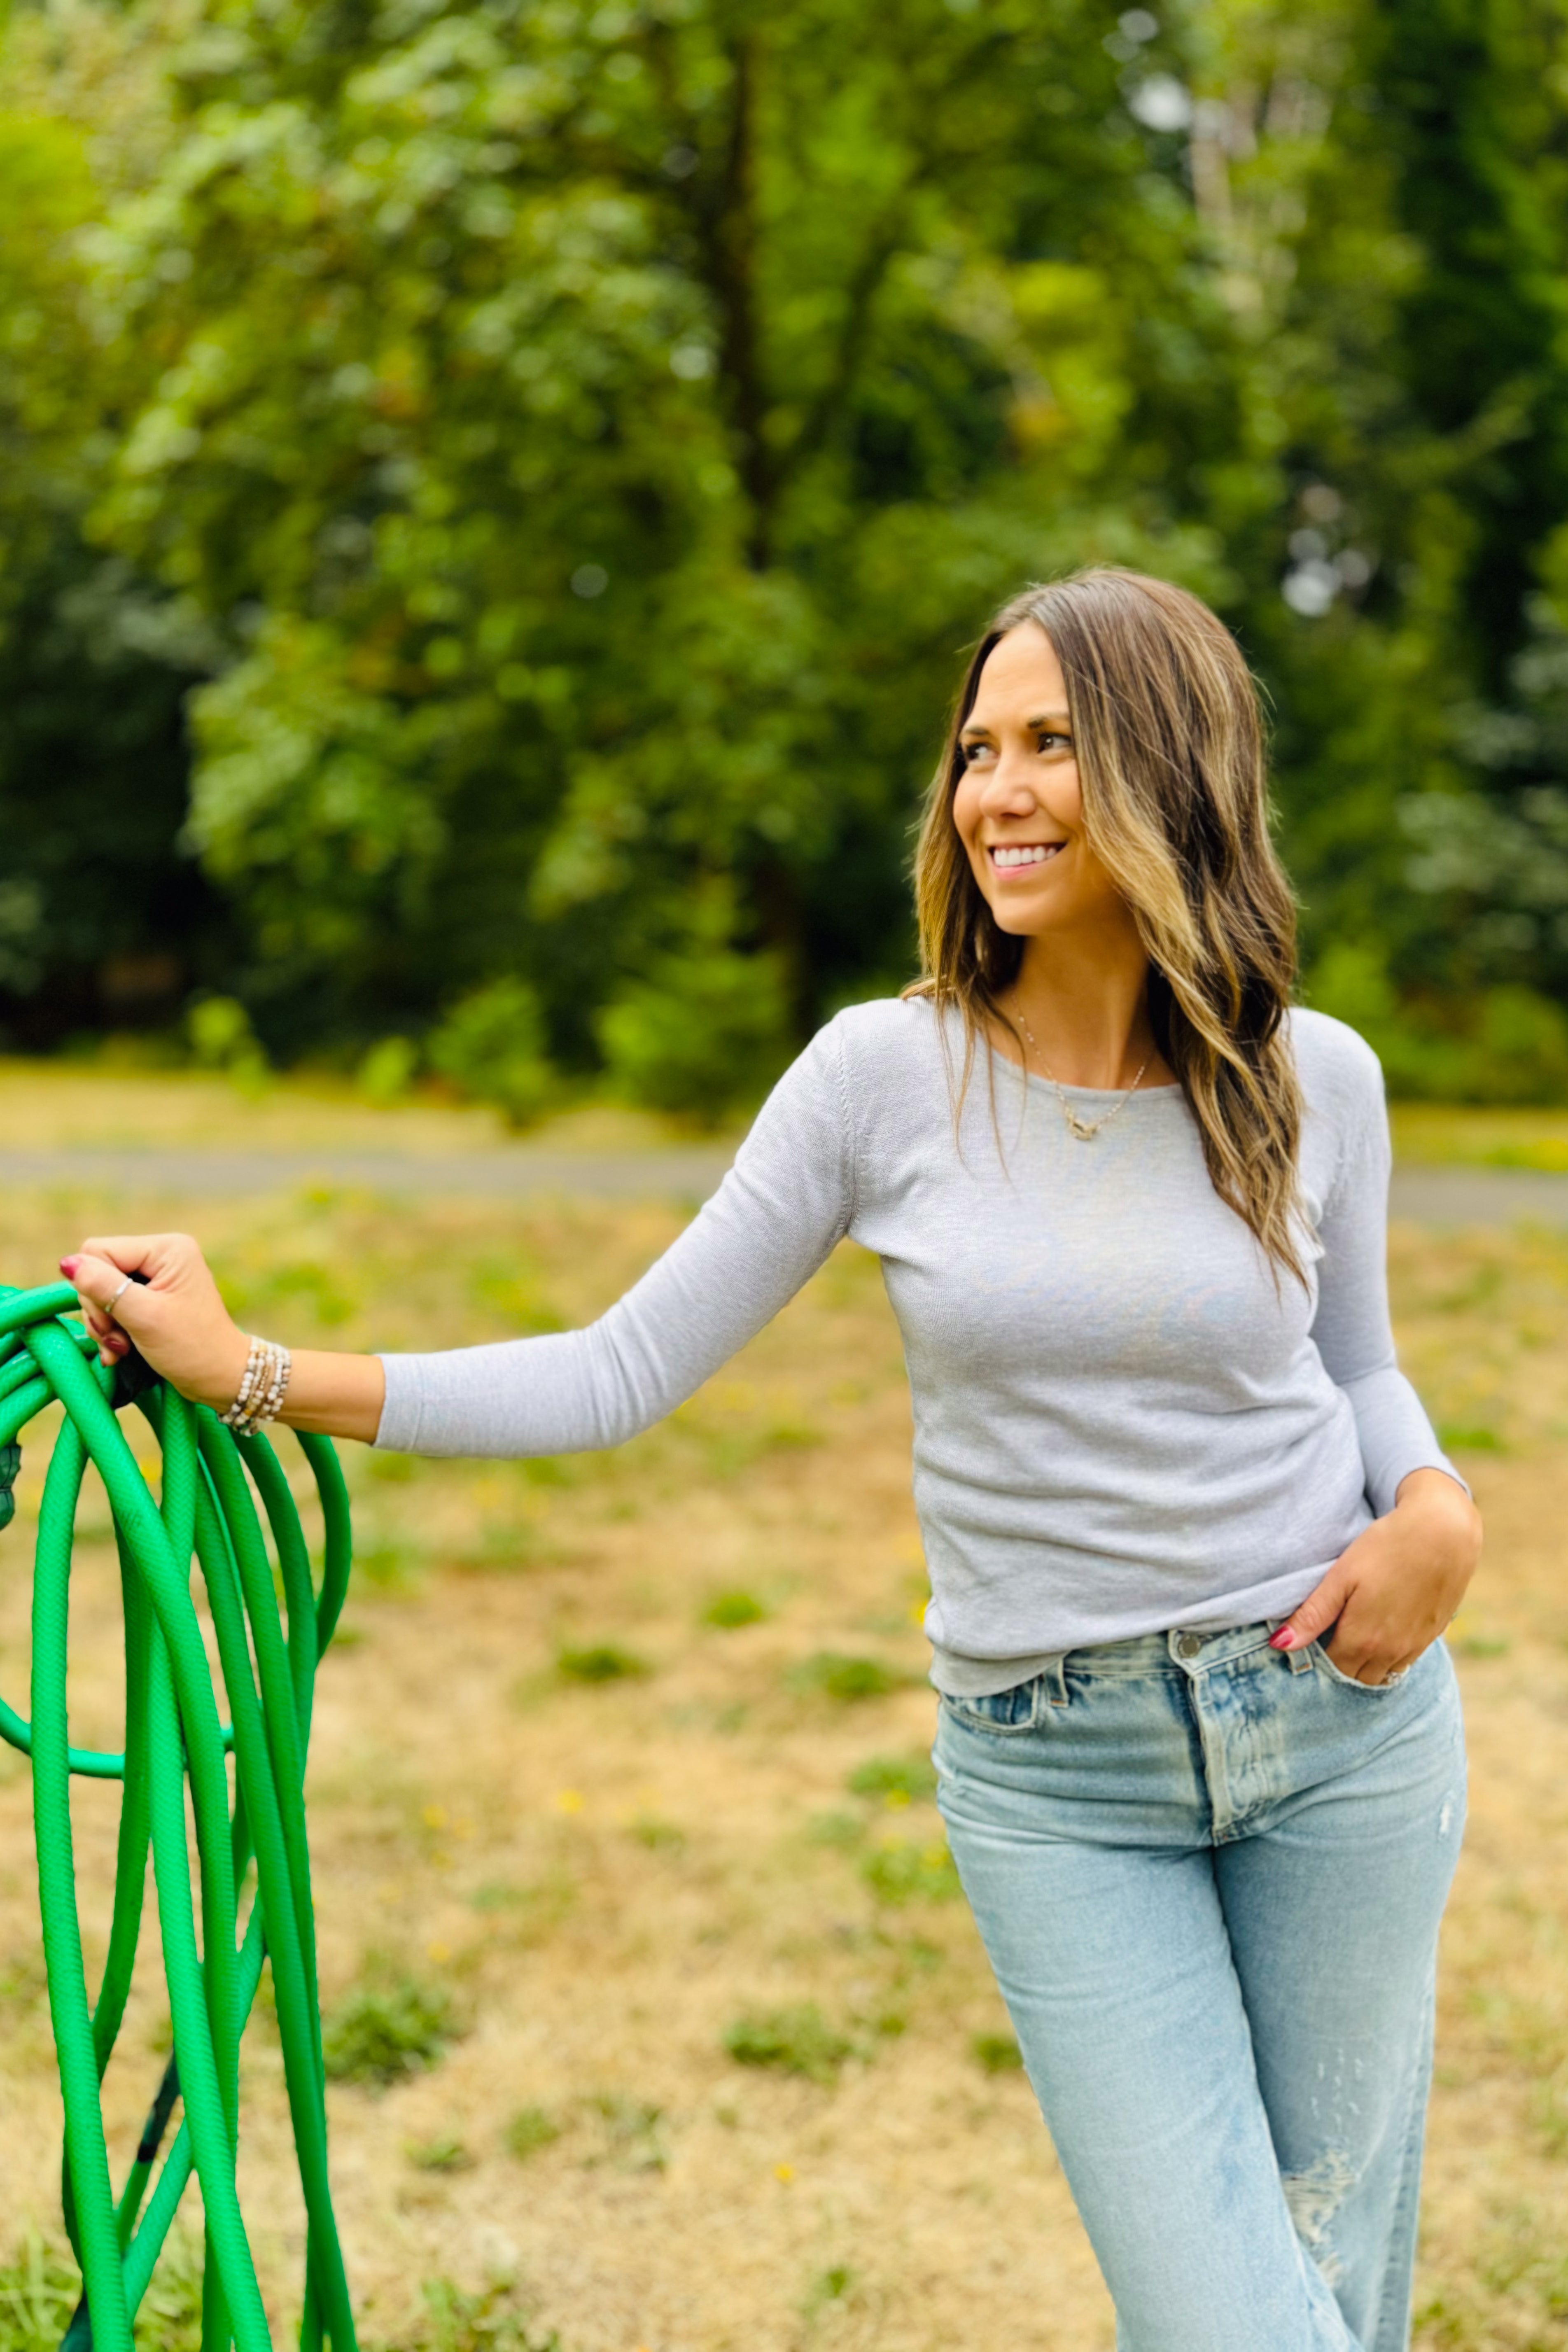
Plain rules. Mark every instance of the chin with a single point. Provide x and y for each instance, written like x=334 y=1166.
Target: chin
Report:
x=1021 y=922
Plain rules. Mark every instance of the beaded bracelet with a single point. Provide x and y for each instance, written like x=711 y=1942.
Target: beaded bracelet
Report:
x=262 y=1389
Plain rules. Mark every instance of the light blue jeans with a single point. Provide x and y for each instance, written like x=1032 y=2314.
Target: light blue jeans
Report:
x=1209 y=1877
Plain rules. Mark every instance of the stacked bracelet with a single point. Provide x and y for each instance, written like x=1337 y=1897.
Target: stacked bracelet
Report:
x=263 y=1389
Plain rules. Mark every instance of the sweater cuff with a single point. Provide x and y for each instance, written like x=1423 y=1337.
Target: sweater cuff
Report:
x=398 y=1430
x=1384 y=1483
x=1437 y=1462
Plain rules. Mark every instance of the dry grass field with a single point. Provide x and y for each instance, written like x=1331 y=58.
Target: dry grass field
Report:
x=617 y=1802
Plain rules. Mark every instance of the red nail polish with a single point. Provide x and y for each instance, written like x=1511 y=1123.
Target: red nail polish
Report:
x=1284 y=1640
x=68 y=1266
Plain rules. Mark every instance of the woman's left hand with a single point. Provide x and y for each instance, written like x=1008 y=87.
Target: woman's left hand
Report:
x=1391 y=1594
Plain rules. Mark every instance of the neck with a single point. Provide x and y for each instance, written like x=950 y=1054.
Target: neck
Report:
x=1086 y=1001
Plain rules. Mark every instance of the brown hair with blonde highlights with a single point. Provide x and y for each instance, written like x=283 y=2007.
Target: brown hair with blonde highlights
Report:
x=1171 y=761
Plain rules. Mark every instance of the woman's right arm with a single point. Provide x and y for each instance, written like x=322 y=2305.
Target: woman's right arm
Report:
x=786 y=1202
x=176 y=1315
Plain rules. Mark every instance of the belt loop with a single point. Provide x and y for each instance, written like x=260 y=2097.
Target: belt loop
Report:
x=1301 y=1662
x=1054 y=1681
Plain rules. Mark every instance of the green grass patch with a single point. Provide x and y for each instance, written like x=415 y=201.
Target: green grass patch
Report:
x=455 y=2322
x=602 y=1662
x=632 y=2137
x=796 y=2041
x=839 y=1829
x=40 y=2287
x=1467 y=1437
x=911 y=1874
x=996 y=2053
x=898 y=1780
x=385 y=2030
x=38 y=2292
x=829 y=2286
x=660 y=1837
x=530 y=2130
x=729 y=1609
x=831 y=1673
x=440 y=2156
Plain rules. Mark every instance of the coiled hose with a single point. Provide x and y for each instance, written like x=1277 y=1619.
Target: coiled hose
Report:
x=172 y=1733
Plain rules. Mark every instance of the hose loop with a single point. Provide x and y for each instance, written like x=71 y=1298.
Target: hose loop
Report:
x=206 y=1508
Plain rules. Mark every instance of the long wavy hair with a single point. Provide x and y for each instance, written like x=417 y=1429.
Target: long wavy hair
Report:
x=1170 y=758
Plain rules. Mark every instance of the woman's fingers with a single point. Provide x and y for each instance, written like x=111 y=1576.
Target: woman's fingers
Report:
x=1317 y=1612
x=158 y=1290
x=104 y=1288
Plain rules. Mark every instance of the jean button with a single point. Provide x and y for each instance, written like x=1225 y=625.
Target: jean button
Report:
x=1189 y=1646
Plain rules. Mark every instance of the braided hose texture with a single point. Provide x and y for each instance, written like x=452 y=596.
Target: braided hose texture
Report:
x=175 y=1741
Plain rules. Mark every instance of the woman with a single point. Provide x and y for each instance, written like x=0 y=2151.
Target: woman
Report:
x=1192 y=1541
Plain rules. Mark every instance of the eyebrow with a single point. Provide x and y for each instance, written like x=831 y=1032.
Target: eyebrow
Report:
x=1055 y=718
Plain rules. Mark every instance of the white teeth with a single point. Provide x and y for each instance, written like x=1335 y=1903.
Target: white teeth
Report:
x=1030 y=853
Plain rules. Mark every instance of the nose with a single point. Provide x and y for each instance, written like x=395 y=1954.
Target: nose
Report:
x=1008 y=789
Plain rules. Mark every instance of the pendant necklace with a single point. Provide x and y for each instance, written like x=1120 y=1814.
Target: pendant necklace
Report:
x=1082 y=1130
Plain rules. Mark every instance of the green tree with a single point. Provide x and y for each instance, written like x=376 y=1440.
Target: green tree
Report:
x=596 y=431
x=100 y=915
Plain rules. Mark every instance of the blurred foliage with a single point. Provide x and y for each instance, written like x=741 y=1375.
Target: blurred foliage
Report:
x=492 y=499
x=492 y=1046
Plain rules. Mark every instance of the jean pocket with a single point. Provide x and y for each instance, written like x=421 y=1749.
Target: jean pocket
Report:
x=1001 y=1713
x=1349 y=1682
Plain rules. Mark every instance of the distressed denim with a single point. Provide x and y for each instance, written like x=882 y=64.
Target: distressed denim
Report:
x=1209 y=1877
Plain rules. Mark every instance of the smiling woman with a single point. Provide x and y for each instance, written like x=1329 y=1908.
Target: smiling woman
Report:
x=1165 y=1457
x=1103 y=799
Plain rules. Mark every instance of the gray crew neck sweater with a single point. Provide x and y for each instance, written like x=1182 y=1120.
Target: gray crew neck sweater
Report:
x=1123 y=1423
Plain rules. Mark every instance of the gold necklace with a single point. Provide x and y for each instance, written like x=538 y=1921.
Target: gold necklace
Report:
x=1083 y=1130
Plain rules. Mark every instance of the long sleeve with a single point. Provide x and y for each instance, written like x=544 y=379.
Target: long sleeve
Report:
x=1351 y=1328
x=786 y=1202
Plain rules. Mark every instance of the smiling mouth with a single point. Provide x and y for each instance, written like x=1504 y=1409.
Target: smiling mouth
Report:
x=1014 y=858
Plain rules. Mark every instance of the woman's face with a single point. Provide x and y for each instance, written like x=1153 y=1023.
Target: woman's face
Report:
x=1018 y=806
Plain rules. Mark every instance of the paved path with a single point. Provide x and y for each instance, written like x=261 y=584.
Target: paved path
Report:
x=688 y=1171
x=1435 y=1196
x=1479 y=1196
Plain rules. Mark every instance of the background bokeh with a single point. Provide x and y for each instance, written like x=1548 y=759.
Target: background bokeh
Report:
x=492 y=500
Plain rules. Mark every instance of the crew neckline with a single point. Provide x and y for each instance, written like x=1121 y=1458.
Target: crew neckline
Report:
x=1099 y=1094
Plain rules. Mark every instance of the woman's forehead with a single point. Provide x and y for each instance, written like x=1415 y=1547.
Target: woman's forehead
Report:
x=1021 y=665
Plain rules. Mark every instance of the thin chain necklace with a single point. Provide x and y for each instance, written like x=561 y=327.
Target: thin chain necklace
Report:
x=1083 y=1130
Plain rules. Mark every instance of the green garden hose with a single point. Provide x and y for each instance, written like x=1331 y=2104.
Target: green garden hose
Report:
x=173 y=1734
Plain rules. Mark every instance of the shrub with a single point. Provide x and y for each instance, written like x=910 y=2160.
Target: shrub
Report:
x=387 y=1071
x=729 y=1609
x=491 y=1046
x=221 y=1038
x=833 y=1675
x=1504 y=1045
x=908 y=1779
x=603 y=1663
x=796 y=2041
x=703 y=1034
x=383 y=2031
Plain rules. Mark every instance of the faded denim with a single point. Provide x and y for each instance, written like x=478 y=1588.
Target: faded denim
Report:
x=1209 y=1877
